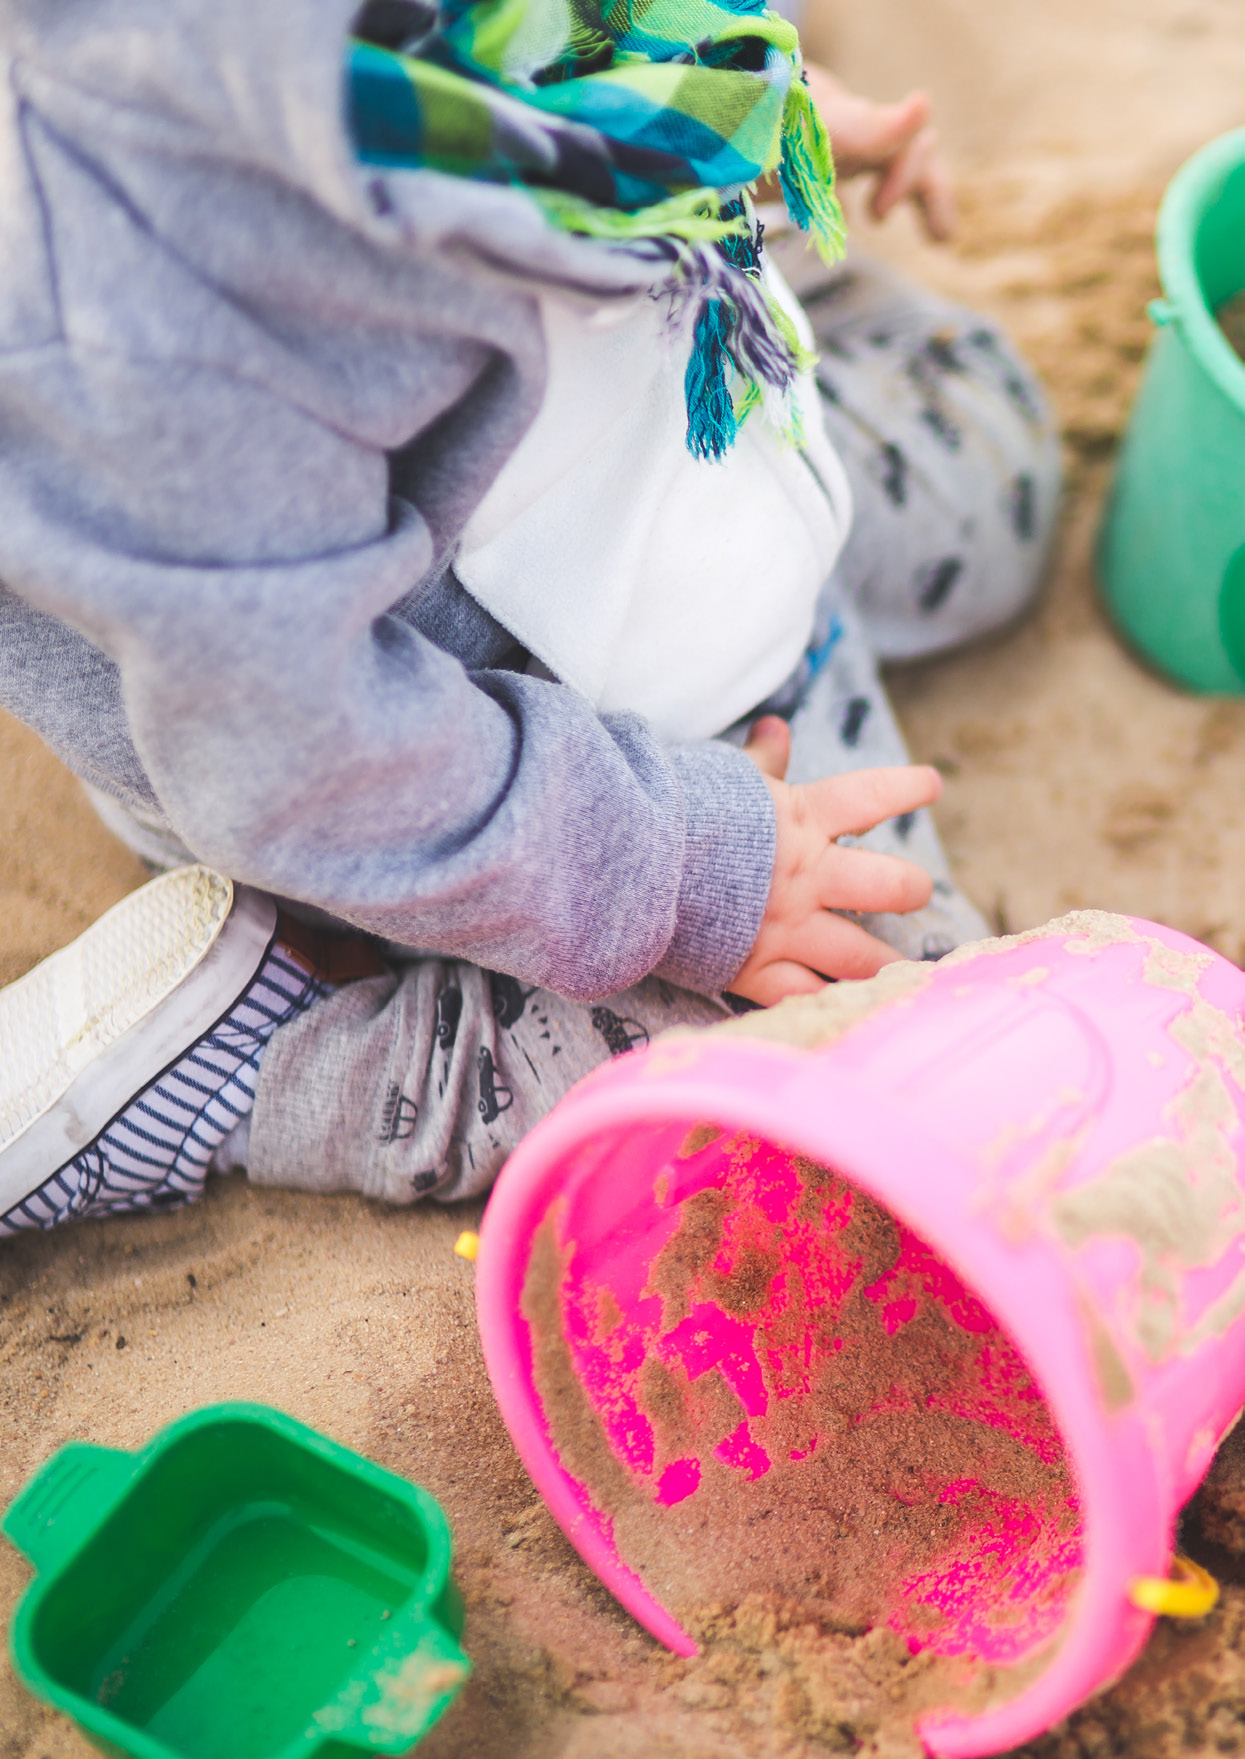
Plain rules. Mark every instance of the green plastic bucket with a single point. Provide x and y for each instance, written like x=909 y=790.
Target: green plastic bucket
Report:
x=1172 y=555
x=241 y=1588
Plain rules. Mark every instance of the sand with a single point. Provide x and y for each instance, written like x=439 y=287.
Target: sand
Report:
x=1232 y=318
x=1075 y=778
x=870 y=1482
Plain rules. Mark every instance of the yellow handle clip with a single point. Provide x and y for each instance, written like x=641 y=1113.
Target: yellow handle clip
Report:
x=1189 y=1593
x=467 y=1246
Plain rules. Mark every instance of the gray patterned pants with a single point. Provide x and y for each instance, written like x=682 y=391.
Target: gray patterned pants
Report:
x=421 y=1081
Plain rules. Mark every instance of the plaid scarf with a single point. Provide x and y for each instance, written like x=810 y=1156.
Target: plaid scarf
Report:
x=628 y=120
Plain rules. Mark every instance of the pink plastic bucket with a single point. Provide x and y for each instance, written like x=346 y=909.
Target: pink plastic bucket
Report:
x=1054 y=1122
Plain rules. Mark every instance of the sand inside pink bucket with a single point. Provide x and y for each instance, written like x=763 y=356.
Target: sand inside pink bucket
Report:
x=821 y=1419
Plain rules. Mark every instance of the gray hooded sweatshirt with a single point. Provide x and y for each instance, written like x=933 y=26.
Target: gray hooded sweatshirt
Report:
x=250 y=394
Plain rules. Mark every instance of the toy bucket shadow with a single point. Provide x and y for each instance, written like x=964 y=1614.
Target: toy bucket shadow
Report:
x=1053 y=1123
x=242 y=1588
x=1173 y=544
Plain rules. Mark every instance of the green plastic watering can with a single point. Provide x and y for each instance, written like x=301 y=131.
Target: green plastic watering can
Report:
x=242 y=1588
x=1172 y=555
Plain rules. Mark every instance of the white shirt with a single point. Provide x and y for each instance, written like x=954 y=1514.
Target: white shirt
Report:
x=648 y=580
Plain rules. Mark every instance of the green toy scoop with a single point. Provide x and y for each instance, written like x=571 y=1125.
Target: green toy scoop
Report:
x=241 y=1588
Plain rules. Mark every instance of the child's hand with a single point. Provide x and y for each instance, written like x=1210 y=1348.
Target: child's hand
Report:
x=895 y=141
x=801 y=942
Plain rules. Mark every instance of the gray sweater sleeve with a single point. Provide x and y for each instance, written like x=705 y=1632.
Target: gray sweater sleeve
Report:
x=248 y=398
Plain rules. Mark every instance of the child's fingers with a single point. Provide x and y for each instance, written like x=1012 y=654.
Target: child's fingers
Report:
x=835 y=947
x=769 y=746
x=936 y=200
x=850 y=804
x=862 y=879
x=897 y=124
x=899 y=178
x=768 y=985
x=872 y=136
x=919 y=174
x=832 y=947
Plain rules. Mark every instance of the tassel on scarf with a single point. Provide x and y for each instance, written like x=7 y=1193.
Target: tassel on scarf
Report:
x=738 y=335
x=711 y=424
x=738 y=326
x=806 y=173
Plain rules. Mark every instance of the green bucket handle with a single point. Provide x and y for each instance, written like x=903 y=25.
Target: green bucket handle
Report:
x=397 y=1691
x=72 y=1493
x=1184 y=304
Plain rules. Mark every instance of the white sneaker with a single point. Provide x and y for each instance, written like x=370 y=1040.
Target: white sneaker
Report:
x=127 y=1057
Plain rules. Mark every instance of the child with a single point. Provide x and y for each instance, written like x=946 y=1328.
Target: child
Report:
x=409 y=507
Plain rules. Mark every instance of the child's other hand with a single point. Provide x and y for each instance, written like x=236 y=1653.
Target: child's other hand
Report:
x=895 y=142
x=801 y=942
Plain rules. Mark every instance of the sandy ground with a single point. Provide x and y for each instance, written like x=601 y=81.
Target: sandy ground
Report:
x=1073 y=777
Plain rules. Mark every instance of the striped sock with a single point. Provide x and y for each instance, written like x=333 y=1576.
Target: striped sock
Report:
x=154 y=1154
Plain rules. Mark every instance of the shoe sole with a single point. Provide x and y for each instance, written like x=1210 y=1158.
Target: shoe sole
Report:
x=87 y=1030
